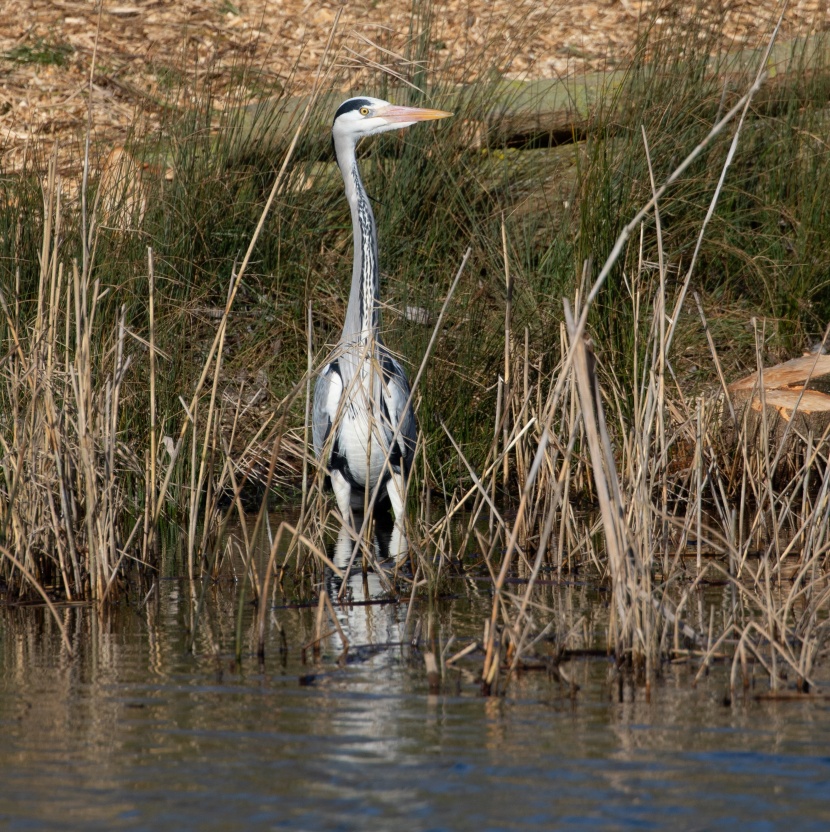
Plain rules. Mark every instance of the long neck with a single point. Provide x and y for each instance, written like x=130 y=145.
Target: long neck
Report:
x=362 y=314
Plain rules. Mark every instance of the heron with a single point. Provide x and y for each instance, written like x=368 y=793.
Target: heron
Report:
x=363 y=425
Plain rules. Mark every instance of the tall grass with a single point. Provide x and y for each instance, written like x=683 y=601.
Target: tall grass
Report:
x=122 y=428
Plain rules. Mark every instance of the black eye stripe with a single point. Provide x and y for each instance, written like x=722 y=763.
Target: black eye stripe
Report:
x=350 y=105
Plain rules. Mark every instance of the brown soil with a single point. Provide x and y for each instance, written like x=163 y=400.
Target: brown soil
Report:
x=47 y=47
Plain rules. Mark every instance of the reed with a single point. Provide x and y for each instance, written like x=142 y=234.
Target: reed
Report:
x=593 y=436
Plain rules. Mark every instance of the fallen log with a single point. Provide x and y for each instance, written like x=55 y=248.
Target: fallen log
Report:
x=544 y=112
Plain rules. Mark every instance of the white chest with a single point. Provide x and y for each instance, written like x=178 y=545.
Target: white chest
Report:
x=362 y=440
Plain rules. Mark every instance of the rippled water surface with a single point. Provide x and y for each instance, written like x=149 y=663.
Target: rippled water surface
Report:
x=136 y=732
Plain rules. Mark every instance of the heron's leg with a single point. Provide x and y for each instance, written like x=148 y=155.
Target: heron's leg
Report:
x=343 y=495
x=396 y=489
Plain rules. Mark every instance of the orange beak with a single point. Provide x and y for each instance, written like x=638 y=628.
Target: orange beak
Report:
x=398 y=115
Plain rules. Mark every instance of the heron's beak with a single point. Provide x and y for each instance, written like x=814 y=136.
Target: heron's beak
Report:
x=409 y=115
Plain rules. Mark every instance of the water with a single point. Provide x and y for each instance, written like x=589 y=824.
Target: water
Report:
x=136 y=733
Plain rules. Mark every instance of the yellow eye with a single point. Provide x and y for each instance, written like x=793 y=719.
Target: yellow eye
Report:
x=364 y=111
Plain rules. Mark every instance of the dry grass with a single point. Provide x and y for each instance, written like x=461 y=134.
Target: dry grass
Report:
x=67 y=475
x=679 y=491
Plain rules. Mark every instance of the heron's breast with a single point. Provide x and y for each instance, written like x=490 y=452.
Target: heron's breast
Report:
x=363 y=443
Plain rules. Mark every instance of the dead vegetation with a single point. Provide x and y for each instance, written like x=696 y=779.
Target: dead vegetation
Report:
x=619 y=474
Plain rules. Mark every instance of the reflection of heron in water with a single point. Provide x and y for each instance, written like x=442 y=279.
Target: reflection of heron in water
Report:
x=385 y=539
x=363 y=621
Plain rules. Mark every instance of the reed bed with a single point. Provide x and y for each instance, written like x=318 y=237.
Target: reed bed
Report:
x=582 y=437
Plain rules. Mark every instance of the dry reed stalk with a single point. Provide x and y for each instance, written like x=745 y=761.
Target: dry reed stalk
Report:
x=626 y=574
x=319 y=635
x=148 y=541
x=202 y=483
x=508 y=314
x=307 y=414
x=211 y=425
x=494 y=449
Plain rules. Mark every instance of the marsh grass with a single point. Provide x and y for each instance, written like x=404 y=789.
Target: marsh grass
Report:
x=148 y=389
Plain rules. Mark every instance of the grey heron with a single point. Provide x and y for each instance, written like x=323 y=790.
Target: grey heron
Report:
x=361 y=394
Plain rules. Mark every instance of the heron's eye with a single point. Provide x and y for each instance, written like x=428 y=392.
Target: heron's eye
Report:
x=364 y=111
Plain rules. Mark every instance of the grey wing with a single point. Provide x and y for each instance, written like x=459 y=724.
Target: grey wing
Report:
x=396 y=395
x=327 y=392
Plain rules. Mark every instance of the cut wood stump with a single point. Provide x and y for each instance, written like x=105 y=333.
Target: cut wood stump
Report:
x=795 y=393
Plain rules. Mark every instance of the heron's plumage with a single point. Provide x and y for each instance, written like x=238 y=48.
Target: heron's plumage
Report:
x=361 y=395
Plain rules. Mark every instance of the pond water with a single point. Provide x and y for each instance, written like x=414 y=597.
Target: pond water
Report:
x=137 y=732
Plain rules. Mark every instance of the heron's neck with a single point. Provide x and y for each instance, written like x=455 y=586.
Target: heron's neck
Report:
x=362 y=314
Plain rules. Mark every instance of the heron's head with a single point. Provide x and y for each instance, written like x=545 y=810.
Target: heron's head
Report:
x=364 y=116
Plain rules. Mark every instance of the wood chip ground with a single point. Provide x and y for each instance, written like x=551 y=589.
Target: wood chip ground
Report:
x=150 y=52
